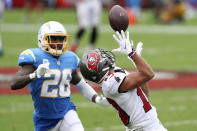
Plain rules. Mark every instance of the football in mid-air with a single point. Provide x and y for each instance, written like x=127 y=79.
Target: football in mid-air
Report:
x=118 y=18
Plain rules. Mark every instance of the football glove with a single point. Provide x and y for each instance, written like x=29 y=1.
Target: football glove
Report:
x=126 y=46
x=101 y=100
x=139 y=48
x=41 y=70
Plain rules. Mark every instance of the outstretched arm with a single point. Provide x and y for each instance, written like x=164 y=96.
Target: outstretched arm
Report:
x=87 y=91
x=144 y=72
x=140 y=77
x=139 y=49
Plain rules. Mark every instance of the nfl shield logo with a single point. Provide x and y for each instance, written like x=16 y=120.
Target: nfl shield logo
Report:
x=58 y=62
x=45 y=61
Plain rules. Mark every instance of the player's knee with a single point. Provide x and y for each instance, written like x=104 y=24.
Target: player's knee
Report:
x=76 y=127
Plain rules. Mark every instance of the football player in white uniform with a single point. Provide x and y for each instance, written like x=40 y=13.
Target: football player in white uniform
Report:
x=88 y=13
x=122 y=89
x=1 y=16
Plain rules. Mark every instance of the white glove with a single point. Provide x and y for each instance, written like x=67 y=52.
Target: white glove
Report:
x=126 y=45
x=101 y=100
x=41 y=70
x=139 y=48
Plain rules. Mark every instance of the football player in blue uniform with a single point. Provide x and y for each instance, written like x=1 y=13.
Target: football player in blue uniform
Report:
x=48 y=72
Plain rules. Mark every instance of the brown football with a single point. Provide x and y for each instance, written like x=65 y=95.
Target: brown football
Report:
x=118 y=18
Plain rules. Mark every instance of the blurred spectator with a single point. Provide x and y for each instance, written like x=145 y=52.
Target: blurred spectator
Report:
x=134 y=10
x=88 y=13
x=169 y=11
x=8 y=4
x=107 y=4
x=158 y=6
x=191 y=9
x=52 y=3
x=193 y=3
x=120 y=2
x=1 y=17
x=28 y=9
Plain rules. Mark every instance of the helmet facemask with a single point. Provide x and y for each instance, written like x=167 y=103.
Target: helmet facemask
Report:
x=55 y=43
x=107 y=62
x=53 y=38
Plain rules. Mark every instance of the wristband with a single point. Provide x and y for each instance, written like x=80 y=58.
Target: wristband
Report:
x=32 y=75
x=101 y=101
x=131 y=53
x=97 y=99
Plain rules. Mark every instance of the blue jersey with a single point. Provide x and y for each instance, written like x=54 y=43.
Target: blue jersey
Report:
x=51 y=93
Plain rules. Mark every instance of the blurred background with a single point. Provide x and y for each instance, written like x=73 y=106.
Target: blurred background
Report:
x=168 y=29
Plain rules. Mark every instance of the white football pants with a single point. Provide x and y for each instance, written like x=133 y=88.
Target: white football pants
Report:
x=70 y=122
x=88 y=13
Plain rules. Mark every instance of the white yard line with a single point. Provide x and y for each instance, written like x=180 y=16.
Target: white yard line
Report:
x=177 y=99
x=180 y=123
x=148 y=29
x=19 y=107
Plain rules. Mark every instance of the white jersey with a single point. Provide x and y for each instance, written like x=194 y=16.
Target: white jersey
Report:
x=133 y=107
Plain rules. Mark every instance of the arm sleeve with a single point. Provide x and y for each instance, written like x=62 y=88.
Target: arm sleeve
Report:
x=85 y=89
x=26 y=57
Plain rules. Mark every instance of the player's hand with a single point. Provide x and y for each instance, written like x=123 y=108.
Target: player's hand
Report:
x=126 y=46
x=42 y=69
x=139 y=48
x=101 y=100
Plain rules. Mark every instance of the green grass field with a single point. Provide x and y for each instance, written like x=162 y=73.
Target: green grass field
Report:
x=163 y=50
x=173 y=49
x=176 y=109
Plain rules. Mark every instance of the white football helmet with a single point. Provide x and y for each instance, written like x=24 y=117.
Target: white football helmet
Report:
x=45 y=34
